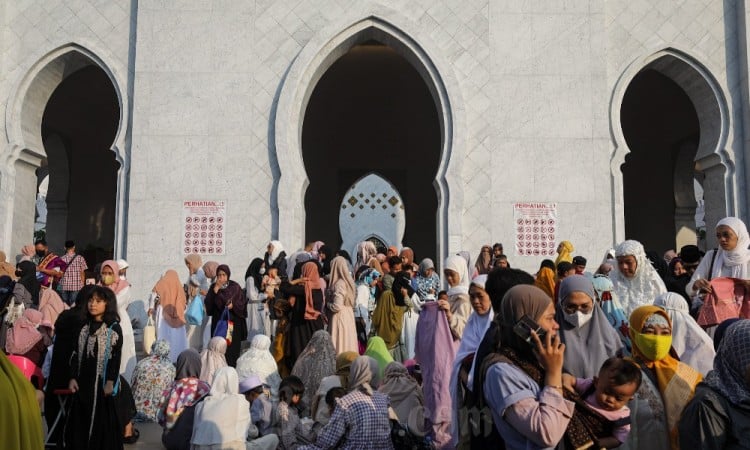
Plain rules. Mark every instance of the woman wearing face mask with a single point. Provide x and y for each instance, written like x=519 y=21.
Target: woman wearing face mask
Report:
x=110 y=279
x=588 y=336
x=668 y=385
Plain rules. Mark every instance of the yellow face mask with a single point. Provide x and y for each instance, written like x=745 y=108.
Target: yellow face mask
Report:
x=108 y=279
x=652 y=346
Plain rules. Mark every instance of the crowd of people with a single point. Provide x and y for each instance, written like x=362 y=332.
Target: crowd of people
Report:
x=321 y=350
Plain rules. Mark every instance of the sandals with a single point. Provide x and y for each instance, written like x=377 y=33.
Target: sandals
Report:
x=133 y=438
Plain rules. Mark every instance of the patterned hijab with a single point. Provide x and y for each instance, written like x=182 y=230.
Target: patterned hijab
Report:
x=732 y=364
x=643 y=288
x=186 y=391
x=317 y=361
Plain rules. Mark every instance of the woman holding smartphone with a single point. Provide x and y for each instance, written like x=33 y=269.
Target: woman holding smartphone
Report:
x=522 y=380
x=225 y=294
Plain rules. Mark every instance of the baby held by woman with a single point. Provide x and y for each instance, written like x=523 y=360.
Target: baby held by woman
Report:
x=608 y=394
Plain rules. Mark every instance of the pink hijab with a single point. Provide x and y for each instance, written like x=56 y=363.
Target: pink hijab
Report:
x=119 y=284
x=310 y=271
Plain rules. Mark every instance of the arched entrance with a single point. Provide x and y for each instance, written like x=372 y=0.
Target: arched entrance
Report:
x=670 y=163
x=372 y=111
x=363 y=24
x=372 y=209
x=64 y=122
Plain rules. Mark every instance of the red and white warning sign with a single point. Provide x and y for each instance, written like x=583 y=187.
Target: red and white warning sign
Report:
x=535 y=228
x=204 y=227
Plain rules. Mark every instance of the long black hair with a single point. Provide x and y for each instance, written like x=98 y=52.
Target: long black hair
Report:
x=289 y=387
x=253 y=270
x=110 y=310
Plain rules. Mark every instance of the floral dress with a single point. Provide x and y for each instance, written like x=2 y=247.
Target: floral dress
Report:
x=151 y=377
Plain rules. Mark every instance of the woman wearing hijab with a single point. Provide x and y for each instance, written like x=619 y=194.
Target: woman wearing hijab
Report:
x=427 y=280
x=258 y=320
x=461 y=376
x=258 y=360
x=307 y=305
x=20 y=421
x=51 y=305
x=27 y=287
x=168 y=300
x=213 y=358
x=667 y=386
x=718 y=417
x=276 y=257
x=407 y=258
x=411 y=317
x=341 y=303
x=484 y=260
x=378 y=351
x=316 y=362
x=223 y=417
x=6 y=268
x=545 y=278
x=457 y=308
x=522 y=381
x=610 y=305
x=24 y=338
x=177 y=406
x=152 y=375
x=405 y=394
x=110 y=279
x=225 y=294
x=367 y=283
x=564 y=252
x=731 y=259
x=388 y=317
x=361 y=418
x=365 y=252
x=197 y=287
x=693 y=346
x=435 y=350
x=320 y=412
x=584 y=329
x=635 y=280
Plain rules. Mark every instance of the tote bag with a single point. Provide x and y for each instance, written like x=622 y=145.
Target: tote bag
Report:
x=195 y=311
x=149 y=336
x=720 y=304
x=224 y=327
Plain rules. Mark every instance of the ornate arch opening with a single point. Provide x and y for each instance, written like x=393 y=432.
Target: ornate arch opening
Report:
x=693 y=146
x=42 y=139
x=310 y=65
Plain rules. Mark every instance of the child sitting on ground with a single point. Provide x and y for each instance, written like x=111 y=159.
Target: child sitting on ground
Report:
x=608 y=394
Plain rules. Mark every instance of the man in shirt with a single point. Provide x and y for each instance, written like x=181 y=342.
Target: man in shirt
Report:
x=50 y=265
x=74 y=277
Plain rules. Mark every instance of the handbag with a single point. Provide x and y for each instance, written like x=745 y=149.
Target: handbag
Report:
x=224 y=327
x=149 y=336
x=720 y=304
x=403 y=439
x=195 y=311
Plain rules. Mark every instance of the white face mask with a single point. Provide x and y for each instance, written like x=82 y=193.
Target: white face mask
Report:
x=262 y=270
x=578 y=319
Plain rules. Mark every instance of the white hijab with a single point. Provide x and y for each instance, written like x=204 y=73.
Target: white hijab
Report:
x=223 y=417
x=257 y=360
x=644 y=287
x=277 y=249
x=457 y=264
x=737 y=258
x=694 y=347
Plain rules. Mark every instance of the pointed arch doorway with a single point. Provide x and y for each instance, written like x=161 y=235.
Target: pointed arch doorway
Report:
x=372 y=112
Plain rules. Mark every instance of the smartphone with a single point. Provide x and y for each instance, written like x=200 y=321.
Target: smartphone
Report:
x=525 y=326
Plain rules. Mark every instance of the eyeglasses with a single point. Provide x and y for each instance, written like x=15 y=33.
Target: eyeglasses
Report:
x=571 y=309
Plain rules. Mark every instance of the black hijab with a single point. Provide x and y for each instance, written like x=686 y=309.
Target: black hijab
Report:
x=27 y=278
x=253 y=270
x=401 y=280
